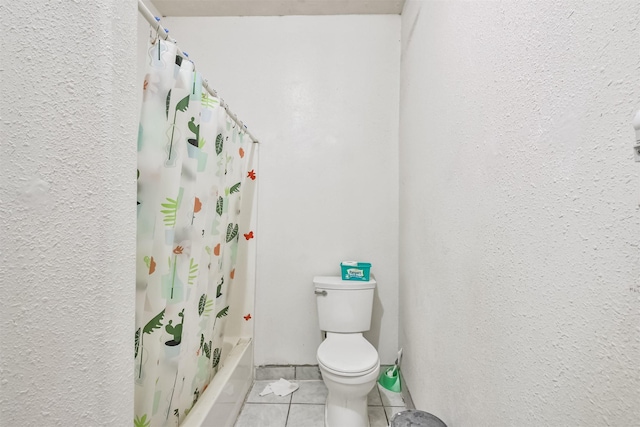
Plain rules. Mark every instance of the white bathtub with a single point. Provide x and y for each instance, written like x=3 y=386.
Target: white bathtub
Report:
x=221 y=402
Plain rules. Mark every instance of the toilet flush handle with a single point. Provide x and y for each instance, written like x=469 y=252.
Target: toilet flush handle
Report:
x=321 y=292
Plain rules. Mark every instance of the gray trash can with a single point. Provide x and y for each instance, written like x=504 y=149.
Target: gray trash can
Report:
x=415 y=418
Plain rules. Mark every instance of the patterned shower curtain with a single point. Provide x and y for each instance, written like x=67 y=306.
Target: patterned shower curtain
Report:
x=191 y=167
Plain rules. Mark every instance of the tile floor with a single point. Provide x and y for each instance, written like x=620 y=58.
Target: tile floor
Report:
x=305 y=406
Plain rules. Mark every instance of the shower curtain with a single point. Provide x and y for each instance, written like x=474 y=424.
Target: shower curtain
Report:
x=192 y=163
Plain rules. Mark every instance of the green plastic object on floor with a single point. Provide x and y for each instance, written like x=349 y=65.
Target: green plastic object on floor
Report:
x=390 y=378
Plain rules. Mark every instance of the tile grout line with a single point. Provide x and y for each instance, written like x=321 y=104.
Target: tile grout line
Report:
x=286 y=420
x=308 y=403
x=382 y=403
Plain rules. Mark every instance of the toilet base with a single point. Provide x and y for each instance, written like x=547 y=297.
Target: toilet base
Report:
x=352 y=413
x=347 y=398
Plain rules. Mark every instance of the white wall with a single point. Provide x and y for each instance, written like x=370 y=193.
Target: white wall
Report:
x=519 y=261
x=67 y=213
x=321 y=93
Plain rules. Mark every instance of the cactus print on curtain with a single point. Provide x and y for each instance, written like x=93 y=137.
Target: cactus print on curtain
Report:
x=191 y=171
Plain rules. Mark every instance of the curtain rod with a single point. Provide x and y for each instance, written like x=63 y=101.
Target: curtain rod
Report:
x=163 y=33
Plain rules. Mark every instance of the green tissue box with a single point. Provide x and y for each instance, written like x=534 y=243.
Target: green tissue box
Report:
x=352 y=270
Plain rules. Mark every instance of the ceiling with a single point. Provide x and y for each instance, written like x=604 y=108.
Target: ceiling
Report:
x=276 y=7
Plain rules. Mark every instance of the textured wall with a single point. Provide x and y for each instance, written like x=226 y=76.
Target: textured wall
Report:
x=322 y=95
x=67 y=212
x=519 y=262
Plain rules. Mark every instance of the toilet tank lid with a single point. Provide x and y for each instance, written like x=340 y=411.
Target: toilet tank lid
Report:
x=336 y=282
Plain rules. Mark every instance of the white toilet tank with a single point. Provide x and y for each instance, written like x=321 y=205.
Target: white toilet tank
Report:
x=344 y=305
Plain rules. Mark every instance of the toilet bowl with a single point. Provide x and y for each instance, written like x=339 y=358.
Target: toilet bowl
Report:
x=350 y=367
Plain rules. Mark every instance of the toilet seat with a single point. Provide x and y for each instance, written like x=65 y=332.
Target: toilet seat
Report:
x=346 y=374
x=347 y=355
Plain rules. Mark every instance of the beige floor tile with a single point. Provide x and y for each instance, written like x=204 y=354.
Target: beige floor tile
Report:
x=304 y=415
x=262 y=415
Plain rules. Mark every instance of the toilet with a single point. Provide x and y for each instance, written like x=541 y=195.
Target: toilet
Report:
x=348 y=362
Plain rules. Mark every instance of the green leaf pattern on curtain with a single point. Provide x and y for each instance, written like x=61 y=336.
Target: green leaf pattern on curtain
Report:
x=186 y=187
